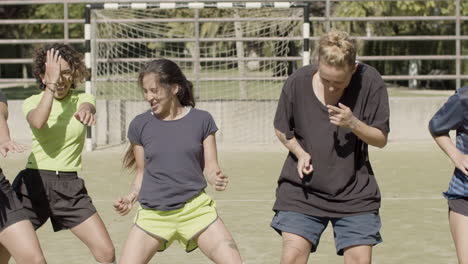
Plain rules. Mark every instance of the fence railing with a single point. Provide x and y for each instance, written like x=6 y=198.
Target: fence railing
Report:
x=326 y=20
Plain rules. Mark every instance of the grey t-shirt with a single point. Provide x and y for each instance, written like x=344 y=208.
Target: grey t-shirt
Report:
x=342 y=182
x=174 y=157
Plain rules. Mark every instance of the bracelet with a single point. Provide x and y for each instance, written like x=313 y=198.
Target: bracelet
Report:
x=52 y=90
x=134 y=196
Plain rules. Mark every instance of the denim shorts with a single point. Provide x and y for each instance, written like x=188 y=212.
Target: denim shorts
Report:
x=355 y=230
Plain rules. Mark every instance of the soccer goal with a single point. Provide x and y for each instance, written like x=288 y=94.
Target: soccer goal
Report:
x=237 y=55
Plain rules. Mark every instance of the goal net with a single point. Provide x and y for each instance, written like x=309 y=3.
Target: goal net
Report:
x=236 y=58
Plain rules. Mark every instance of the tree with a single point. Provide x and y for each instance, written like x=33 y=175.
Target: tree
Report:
x=35 y=31
x=409 y=28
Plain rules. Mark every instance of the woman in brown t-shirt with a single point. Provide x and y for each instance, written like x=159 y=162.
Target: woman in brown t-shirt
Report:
x=327 y=115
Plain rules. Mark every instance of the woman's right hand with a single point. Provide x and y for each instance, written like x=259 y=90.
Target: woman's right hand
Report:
x=52 y=67
x=304 y=164
x=11 y=146
x=123 y=205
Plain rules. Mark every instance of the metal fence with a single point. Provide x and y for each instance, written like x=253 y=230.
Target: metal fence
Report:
x=327 y=20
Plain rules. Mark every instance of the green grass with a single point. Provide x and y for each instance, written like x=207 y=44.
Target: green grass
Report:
x=411 y=175
x=229 y=90
x=405 y=92
x=21 y=92
x=213 y=90
x=207 y=90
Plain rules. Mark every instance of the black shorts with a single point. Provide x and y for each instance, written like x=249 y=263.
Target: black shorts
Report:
x=11 y=210
x=62 y=196
x=459 y=206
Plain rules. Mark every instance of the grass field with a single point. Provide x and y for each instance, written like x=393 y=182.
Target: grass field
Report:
x=208 y=90
x=411 y=175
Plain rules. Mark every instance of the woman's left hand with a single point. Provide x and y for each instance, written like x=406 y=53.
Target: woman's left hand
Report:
x=123 y=205
x=342 y=116
x=218 y=180
x=86 y=117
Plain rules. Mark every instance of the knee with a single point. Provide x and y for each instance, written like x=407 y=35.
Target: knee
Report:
x=227 y=251
x=357 y=259
x=294 y=254
x=106 y=254
x=289 y=258
x=361 y=254
x=38 y=260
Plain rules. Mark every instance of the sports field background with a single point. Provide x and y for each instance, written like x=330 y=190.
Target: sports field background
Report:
x=411 y=175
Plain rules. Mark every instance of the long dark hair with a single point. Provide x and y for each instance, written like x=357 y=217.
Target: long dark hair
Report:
x=168 y=73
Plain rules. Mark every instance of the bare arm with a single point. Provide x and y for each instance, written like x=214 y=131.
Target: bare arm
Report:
x=4 y=131
x=371 y=135
x=304 y=161
x=124 y=205
x=212 y=171
x=459 y=159
x=140 y=168
x=6 y=144
x=343 y=116
x=39 y=115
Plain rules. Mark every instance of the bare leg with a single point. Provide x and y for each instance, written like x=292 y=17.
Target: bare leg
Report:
x=459 y=229
x=218 y=245
x=94 y=234
x=139 y=247
x=361 y=254
x=296 y=249
x=21 y=242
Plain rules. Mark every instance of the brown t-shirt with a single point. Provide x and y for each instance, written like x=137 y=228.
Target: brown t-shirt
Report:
x=342 y=182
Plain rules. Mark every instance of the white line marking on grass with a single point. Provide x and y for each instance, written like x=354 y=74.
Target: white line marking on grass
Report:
x=383 y=198
x=412 y=198
x=262 y=201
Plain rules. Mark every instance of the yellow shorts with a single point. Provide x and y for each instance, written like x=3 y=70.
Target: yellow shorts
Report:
x=182 y=224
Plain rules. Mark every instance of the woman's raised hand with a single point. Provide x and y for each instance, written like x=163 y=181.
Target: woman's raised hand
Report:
x=52 y=67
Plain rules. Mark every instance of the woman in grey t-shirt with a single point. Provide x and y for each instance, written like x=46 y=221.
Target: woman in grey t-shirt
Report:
x=173 y=150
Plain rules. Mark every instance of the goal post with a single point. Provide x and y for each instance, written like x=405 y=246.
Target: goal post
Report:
x=237 y=55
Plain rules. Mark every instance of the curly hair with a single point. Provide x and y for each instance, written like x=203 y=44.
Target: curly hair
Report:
x=69 y=54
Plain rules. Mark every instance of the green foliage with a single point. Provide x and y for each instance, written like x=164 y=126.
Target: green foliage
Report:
x=48 y=11
x=44 y=30
x=39 y=30
x=210 y=30
x=186 y=30
x=402 y=28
